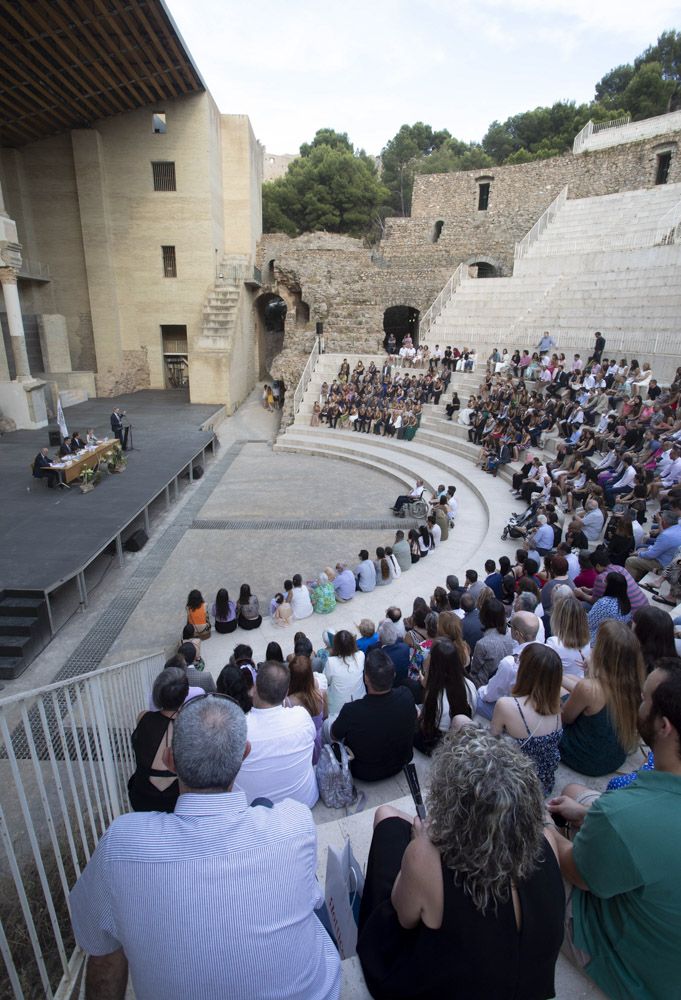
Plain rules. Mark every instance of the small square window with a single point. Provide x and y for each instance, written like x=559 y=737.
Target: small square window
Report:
x=169 y=262
x=158 y=123
x=163 y=173
x=483 y=197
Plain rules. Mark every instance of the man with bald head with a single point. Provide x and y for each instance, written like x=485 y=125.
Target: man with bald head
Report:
x=524 y=627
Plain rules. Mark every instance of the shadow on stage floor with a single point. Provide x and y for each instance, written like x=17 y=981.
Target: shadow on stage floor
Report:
x=47 y=535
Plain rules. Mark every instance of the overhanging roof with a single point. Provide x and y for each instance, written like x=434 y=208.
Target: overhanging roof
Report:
x=65 y=64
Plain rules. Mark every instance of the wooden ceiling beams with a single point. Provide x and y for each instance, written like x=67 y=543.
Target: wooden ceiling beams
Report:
x=67 y=63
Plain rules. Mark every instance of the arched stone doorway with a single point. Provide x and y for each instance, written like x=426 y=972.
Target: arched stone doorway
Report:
x=270 y=313
x=485 y=267
x=401 y=320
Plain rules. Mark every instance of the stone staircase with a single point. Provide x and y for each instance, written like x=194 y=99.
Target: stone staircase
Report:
x=595 y=267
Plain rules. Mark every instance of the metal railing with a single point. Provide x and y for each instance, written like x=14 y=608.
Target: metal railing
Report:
x=65 y=759
x=522 y=248
x=304 y=380
x=445 y=296
x=593 y=128
x=669 y=227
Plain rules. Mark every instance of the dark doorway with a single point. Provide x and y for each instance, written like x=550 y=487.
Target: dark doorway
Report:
x=664 y=161
x=271 y=314
x=485 y=270
x=175 y=356
x=401 y=320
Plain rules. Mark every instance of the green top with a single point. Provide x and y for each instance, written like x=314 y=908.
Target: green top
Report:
x=323 y=598
x=628 y=853
x=589 y=745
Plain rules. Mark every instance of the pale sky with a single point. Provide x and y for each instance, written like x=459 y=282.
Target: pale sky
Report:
x=366 y=68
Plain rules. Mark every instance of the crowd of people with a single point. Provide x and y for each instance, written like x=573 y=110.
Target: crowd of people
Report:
x=557 y=655
x=381 y=401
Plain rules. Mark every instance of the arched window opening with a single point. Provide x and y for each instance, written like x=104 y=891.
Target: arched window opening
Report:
x=437 y=230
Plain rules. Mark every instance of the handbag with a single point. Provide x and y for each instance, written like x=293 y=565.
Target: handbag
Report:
x=343 y=893
x=333 y=777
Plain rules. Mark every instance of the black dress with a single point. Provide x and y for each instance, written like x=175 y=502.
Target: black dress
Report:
x=471 y=955
x=151 y=730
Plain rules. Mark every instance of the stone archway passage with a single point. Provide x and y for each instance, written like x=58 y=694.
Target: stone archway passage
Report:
x=271 y=319
x=401 y=320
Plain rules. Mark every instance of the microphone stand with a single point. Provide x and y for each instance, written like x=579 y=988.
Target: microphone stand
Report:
x=128 y=428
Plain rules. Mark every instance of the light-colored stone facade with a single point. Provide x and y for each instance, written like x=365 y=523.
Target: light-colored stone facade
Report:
x=84 y=204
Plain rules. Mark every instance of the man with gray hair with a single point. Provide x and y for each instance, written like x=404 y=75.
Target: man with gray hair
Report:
x=524 y=627
x=157 y=881
x=282 y=741
x=525 y=600
x=393 y=644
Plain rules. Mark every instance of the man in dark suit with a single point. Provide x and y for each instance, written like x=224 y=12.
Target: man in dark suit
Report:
x=43 y=468
x=65 y=448
x=77 y=443
x=117 y=427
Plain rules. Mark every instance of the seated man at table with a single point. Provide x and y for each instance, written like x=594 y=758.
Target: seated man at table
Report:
x=65 y=448
x=77 y=443
x=43 y=468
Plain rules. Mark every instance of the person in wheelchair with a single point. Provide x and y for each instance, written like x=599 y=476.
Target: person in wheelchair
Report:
x=415 y=494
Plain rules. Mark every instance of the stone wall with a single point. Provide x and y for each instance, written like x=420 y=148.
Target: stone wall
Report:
x=518 y=196
x=133 y=374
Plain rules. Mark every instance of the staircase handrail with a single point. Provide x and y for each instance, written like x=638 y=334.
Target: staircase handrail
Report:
x=522 y=248
x=593 y=128
x=669 y=227
x=305 y=377
x=66 y=754
x=428 y=319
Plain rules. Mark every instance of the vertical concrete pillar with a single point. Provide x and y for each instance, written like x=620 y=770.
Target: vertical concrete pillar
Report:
x=8 y=279
x=95 y=223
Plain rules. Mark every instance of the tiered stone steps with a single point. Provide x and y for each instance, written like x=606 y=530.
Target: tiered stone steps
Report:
x=595 y=267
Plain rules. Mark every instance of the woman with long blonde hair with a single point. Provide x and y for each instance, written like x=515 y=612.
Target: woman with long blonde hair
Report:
x=600 y=716
x=570 y=635
x=449 y=627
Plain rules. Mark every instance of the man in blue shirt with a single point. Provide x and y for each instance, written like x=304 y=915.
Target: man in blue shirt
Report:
x=652 y=558
x=494 y=580
x=365 y=573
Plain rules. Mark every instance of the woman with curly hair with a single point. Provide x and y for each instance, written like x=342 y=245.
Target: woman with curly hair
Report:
x=444 y=897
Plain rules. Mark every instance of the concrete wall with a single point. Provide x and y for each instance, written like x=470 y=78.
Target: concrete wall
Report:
x=85 y=205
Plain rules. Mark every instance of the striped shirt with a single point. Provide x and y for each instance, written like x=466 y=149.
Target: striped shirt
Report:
x=215 y=900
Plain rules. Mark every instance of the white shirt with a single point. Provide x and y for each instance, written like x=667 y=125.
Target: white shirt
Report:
x=573 y=566
x=279 y=765
x=593 y=524
x=436 y=532
x=500 y=684
x=573 y=660
x=192 y=897
x=300 y=602
x=346 y=680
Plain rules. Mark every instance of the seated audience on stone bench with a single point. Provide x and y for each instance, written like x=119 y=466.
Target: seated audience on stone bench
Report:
x=224 y=613
x=624 y=862
x=279 y=764
x=378 y=728
x=429 y=918
x=599 y=717
x=197 y=614
x=153 y=785
x=524 y=627
x=344 y=671
x=122 y=910
x=344 y=584
x=248 y=609
x=447 y=693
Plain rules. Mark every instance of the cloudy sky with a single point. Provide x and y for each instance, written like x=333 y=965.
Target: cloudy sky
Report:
x=366 y=67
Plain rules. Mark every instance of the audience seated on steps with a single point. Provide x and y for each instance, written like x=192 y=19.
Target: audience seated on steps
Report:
x=623 y=865
x=147 y=876
x=429 y=918
x=278 y=765
x=379 y=728
x=524 y=627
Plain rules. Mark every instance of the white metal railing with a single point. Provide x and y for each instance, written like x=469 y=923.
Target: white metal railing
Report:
x=65 y=760
x=593 y=128
x=428 y=319
x=522 y=248
x=304 y=380
x=669 y=226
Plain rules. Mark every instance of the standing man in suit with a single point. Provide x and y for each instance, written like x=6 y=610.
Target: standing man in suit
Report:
x=117 y=427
